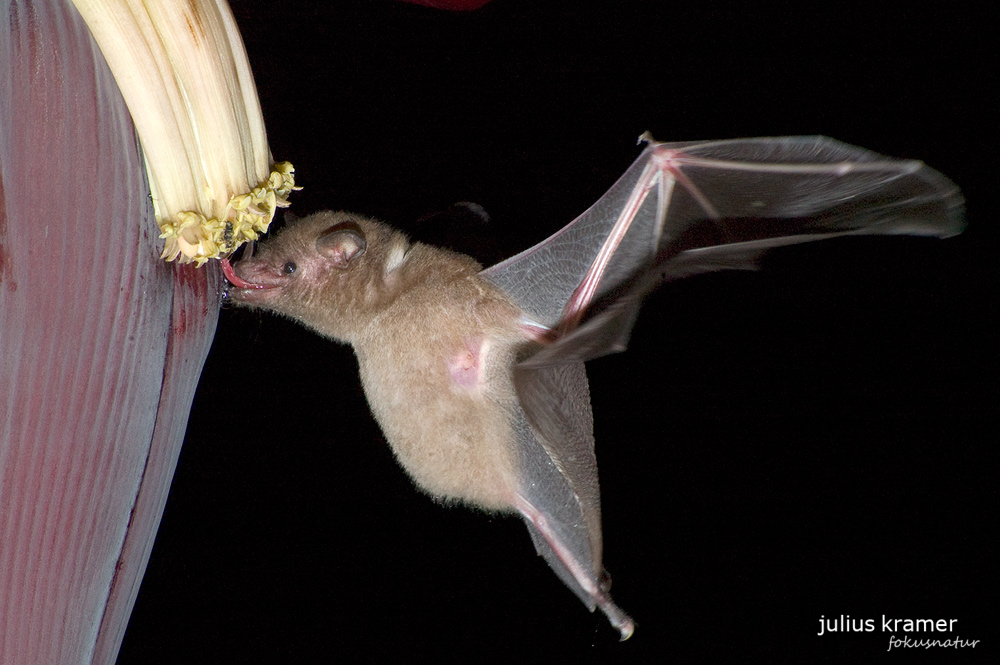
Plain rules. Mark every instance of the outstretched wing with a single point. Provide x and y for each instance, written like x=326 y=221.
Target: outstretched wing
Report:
x=680 y=209
x=685 y=208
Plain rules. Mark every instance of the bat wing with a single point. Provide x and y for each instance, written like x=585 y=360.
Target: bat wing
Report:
x=559 y=495
x=686 y=208
x=680 y=209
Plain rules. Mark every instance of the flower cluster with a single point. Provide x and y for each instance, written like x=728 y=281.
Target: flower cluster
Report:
x=191 y=236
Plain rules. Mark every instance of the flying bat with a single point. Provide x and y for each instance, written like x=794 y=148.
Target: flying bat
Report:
x=477 y=376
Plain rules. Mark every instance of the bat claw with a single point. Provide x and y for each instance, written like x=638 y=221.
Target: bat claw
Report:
x=621 y=621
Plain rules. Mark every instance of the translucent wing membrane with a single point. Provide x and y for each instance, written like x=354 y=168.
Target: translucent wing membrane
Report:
x=680 y=209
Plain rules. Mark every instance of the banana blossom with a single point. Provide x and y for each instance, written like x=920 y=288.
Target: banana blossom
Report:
x=183 y=71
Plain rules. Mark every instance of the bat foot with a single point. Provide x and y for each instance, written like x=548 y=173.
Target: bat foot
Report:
x=616 y=616
x=591 y=589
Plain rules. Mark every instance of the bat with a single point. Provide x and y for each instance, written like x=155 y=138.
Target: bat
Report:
x=477 y=377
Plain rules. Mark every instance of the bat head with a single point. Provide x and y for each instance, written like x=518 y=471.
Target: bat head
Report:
x=330 y=271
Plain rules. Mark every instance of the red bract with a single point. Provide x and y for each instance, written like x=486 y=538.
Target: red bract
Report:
x=101 y=346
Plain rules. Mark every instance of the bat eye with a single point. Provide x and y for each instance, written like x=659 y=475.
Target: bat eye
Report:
x=289 y=268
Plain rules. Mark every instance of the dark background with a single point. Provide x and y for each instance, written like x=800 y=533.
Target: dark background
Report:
x=807 y=440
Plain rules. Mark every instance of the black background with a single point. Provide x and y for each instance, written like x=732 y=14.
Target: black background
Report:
x=807 y=440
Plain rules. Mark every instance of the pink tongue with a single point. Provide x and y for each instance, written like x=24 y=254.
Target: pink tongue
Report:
x=236 y=280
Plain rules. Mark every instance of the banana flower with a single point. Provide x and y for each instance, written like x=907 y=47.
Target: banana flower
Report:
x=183 y=71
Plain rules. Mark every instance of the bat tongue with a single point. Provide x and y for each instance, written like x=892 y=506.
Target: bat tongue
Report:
x=238 y=281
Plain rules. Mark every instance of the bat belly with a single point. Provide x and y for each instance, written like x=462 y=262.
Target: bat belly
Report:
x=446 y=425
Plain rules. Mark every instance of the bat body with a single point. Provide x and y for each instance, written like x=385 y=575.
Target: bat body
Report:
x=477 y=377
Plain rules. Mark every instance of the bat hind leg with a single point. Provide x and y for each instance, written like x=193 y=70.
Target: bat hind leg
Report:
x=592 y=588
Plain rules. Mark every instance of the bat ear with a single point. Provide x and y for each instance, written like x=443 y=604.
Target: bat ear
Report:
x=342 y=243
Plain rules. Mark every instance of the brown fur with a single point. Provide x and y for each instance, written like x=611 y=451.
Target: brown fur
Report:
x=406 y=325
